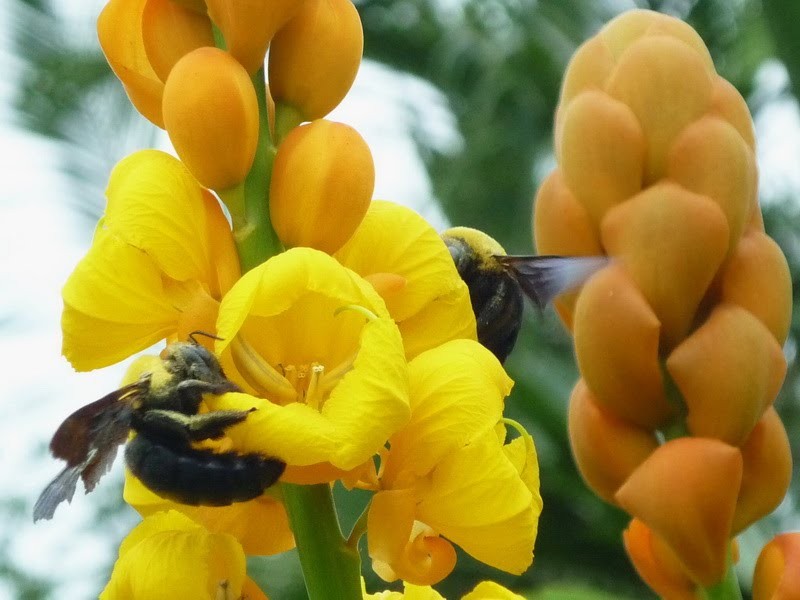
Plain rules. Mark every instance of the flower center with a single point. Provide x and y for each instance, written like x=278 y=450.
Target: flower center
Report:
x=310 y=383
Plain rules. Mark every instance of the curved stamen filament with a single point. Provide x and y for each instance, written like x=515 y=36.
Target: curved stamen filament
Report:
x=260 y=375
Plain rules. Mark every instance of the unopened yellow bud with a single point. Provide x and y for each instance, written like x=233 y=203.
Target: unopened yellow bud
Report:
x=249 y=25
x=170 y=31
x=321 y=186
x=314 y=59
x=211 y=114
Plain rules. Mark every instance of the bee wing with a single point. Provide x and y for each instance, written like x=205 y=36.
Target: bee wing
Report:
x=88 y=440
x=542 y=278
x=60 y=489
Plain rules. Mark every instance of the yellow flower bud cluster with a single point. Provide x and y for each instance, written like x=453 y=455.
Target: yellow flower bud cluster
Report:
x=163 y=52
x=684 y=328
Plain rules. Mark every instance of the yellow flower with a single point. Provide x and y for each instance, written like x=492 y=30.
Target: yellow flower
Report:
x=170 y=557
x=314 y=341
x=405 y=260
x=448 y=473
x=161 y=259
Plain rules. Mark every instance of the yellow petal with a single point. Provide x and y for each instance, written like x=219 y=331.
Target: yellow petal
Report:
x=120 y=33
x=602 y=152
x=261 y=526
x=616 y=344
x=156 y=205
x=757 y=278
x=672 y=242
x=114 y=305
x=729 y=371
x=401 y=548
x=433 y=306
x=668 y=85
x=457 y=393
x=686 y=493
x=489 y=590
x=711 y=158
x=476 y=498
x=168 y=557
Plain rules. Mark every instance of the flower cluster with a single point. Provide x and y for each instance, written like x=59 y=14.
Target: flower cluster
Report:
x=679 y=339
x=348 y=329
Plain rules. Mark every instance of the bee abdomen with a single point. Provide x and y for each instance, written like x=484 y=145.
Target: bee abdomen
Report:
x=200 y=477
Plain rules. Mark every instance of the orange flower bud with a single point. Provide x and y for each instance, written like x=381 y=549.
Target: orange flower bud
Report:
x=119 y=29
x=322 y=184
x=757 y=278
x=561 y=226
x=211 y=114
x=602 y=152
x=767 y=471
x=314 y=59
x=170 y=31
x=606 y=449
x=667 y=85
x=656 y=564
x=711 y=158
x=686 y=493
x=249 y=25
x=777 y=574
x=672 y=242
x=616 y=344
x=727 y=102
x=729 y=371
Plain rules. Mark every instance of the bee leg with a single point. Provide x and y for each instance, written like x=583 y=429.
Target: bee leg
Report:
x=190 y=428
x=208 y=387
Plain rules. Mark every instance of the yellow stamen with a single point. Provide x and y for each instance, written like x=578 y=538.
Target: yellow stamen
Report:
x=260 y=375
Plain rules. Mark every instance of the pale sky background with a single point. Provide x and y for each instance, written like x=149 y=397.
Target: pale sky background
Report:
x=41 y=239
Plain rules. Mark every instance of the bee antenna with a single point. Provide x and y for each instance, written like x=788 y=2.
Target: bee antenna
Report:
x=205 y=333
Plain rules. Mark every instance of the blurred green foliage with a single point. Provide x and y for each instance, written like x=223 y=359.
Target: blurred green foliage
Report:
x=498 y=64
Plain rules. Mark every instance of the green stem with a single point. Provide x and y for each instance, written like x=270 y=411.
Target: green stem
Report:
x=727 y=589
x=255 y=238
x=331 y=569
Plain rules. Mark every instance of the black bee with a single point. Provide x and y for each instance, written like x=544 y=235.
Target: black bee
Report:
x=161 y=407
x=497 y=283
